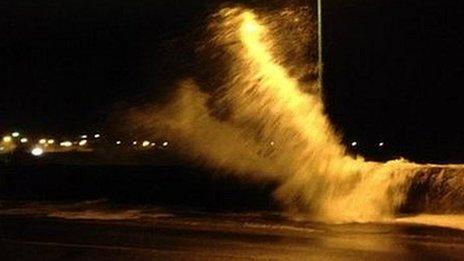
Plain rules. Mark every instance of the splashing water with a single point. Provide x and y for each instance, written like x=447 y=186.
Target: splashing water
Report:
x=263 y=122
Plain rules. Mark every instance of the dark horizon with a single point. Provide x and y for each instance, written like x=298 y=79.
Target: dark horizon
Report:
x=393 y=68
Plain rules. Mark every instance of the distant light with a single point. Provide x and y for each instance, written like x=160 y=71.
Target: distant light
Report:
x=134 y=143
x=51 y=141
x=24 y=140
x=42 y=141
x=2 y=148
x=118 y=142
x=84 y=136
x=82 y=142
x=146 y=144
x=354 y=144
x=165 y=144
x=381 y=144
x=7 y=139
x=66 y=144
x=15 y=134
x=97 y=136
x=153 y=144
x=37 y=152
x=272 y=143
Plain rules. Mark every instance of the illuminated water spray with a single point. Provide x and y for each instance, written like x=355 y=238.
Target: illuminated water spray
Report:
x=316 y=175
x=261 y=122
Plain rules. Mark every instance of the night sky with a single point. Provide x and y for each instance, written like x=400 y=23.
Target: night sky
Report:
x=394 y=68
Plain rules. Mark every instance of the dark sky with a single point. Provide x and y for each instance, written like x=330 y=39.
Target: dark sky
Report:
x=394 y=68
x=395 y=72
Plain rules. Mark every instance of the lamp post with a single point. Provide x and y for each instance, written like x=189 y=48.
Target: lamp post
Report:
x=320 y=62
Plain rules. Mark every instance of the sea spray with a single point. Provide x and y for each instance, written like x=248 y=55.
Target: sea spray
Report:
x=261 y=121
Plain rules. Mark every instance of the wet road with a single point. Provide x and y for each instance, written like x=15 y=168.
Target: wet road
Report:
x=32 y=238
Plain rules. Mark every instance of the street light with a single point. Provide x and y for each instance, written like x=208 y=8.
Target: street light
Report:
x=66 y=144
x=37 y=152
x=320 y=62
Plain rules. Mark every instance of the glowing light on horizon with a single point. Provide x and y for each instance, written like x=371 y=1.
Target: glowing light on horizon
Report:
x=118 y=142
x=15 y=134
x=51 y=141
x=146 y=143
x=7 y=139
x=97 y=136
x=354 y=144
x=42 y=141
x=84 y=136
x=82 y=143
x=24 y=140
x=37 y=151
x=165 y=144
x=66 y=144
x=134 y=143
x=381 y=144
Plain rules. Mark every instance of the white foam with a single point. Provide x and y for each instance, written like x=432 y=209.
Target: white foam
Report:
x=449 y=221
